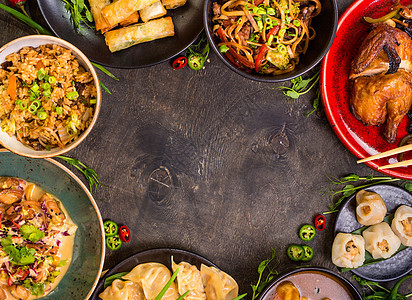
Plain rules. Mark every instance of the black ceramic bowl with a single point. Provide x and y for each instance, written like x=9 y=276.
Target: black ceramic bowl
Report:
x=328 y=285
x=325 y=25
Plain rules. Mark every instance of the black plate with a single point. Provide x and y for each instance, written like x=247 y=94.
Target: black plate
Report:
x=346 y=221
x=188 y=25
x=162 y=255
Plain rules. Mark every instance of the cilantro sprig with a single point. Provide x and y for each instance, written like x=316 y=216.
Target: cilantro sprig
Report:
x=349 y=188
x=18 y=255
x=80 y=13
x=263 y=278
x=31 y=233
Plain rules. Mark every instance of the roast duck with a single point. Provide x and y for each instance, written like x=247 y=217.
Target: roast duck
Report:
x=381 y=79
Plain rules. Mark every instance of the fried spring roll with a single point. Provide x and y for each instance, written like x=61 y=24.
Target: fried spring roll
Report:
x=96 y=8
x=117 y=11
x=133 y=18
x=139 y=33
x=171 y=4
x=153 y=11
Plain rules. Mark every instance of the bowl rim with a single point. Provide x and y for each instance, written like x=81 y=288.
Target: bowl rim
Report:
x=96 y=208
x=282 y=77
x=349 y=285
x=86 y=63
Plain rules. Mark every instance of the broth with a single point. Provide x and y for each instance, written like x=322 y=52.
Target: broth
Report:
x=314 y=285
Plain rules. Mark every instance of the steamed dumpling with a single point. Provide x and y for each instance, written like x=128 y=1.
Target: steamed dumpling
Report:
x=152 y=277
x=189 y=278
x=348 y=250
x=380 y=241
x=122 y=290
x=370 y=208
x=218 y=285
x=402 y=224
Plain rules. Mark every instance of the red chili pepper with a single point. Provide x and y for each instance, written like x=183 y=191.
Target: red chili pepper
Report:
x=236 y=55
x=320 y=222
x=15 y=224
x=264 y=49
x=124 y=234
x=179 y=63
x=17 y=2
x=10 y=281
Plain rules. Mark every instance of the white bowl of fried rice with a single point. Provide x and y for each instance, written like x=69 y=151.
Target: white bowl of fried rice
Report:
x=49 y=96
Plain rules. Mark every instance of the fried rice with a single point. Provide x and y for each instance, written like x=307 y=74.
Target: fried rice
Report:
x=51 y=99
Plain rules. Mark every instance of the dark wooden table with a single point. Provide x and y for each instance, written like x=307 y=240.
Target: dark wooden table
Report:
x=246 y=165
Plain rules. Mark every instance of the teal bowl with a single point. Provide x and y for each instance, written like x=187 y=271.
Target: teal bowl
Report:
x=89 y=248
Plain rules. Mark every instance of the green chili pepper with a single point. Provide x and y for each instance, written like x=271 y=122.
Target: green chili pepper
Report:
x=307 y=253
x=196 y=61
x=307 y=232
x=110 y=228
x=113 y=242
x=295 y=252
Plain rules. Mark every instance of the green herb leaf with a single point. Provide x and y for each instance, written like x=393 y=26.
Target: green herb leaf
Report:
x=31 y=233
x=262 y=282
x=109 y=280
x=37 y=289
x=6 y=241
x=240 y=296
x=408 y=186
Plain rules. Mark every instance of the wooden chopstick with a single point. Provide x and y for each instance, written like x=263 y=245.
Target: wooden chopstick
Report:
x=387 y=153
x=403 y=163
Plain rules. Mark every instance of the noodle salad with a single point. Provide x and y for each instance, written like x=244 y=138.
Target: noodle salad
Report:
x=264 y=36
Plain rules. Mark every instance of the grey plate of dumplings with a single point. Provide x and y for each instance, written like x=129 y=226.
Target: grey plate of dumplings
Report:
x=394 y=267
x=161 y=255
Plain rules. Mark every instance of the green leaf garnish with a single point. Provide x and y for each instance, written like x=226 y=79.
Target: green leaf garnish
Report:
x=109 y=280
x=31 y=233
x=167 y=286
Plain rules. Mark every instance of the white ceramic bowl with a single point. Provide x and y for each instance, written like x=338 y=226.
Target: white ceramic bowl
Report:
x=12 y=143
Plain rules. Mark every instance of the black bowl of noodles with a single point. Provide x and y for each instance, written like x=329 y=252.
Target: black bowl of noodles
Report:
x=268 y=41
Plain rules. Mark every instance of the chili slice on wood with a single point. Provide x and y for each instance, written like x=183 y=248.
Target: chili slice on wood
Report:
x=179 y=63
x=295 y=252
x=124 y=234
x=320 y=222
x=307 y=232
x=113 y=242
x=307 y=253
x=110 y=228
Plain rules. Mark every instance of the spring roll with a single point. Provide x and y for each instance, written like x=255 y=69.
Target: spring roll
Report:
x=171 y=4
x=139 y=33
x=117 y=11
x=153 y=11
x=133 y=18
x=96 y=8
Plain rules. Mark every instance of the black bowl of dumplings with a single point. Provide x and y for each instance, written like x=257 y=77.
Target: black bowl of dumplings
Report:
x=373 y=234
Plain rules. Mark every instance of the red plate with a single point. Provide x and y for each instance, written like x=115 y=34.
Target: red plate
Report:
x=362 y=141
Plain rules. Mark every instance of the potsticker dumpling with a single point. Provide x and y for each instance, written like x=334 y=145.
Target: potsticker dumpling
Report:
x=218 y=285
x=152 y=277
x=348 y=250
x=122 y=290
x=370 y=208
x=189 y=278
x=402 y=224
x=381 y=241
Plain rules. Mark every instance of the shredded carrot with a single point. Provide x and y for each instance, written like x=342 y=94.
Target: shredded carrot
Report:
x=12 y=88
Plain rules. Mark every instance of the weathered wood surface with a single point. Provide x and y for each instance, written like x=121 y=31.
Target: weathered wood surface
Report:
x=247 y=166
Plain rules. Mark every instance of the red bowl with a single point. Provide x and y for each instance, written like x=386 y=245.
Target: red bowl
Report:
x=363 y=141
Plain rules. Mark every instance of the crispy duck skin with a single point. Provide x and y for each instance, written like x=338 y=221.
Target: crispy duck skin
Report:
x=382 y=97
x=385 y=49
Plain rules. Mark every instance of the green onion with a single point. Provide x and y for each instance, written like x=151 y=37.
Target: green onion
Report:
x=184 y=295
x=72 y=95
x=32 y=109
x=46 y=86
x=260 y=25
x=223 y=48
x=25 y=19
x=288 y=19
x=36 y=103
x=41 y=115
x=261 y=11
x=59 y=110
x=239 y=21
x=255 y=10
x=40 y=74
x=168 y=284
x=35 y=87
x=282 y=48
x=268 y=20
x=105 y=88
x=296 y=23
x=275 y=22
x=23 y=105
x=271 y=11
x=93 y=101
x=47 y=94
x=52 y=80
x=105 y=71
x=17 y=102
x=270 y=40
x=240 y=296
x=282 y=32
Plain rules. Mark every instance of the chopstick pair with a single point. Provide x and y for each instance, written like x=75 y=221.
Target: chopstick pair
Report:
x=402 y=149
